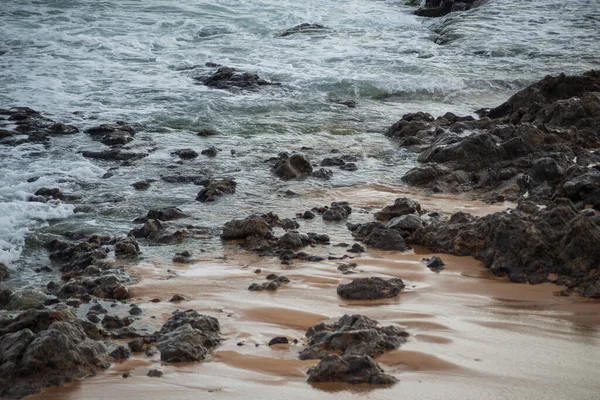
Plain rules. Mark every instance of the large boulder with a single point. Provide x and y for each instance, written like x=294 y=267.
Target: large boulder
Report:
x=349 y=369
x=401 y=206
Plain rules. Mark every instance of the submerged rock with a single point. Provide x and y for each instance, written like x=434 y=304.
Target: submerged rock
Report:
x=303 y=28
x=229 y=78
x=370 y=289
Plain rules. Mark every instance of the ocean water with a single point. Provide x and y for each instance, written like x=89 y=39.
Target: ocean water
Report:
x=88 y=62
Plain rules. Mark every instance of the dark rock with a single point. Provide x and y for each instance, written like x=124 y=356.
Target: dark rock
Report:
x=347 y=269
x=166 y=214
x=291 y=240
x=357 y=248
x=186 y=154
x=308 y=215
x=208 y=132
x=289 y=224
x=439 y=8
x=114 y=155
x=127 y=248
x=349 y=369
x=136 y=345
x=378 y=236
x=114 y=322
x=352 y=335
x=141 y=185
x=370 y=289
x=279 y=340
x=435 y=263
x=332 y=162
x=112 y=134
x=292 y=167
x=210 y=152
x=177 y=298
x=323 y=173
x=155 y=373
x=409 y=223
x=150 y=351
x=250 y=226
x=135 y=310
x=269 y=286
x=230 y=78
x=401 y=206
x=349 y=167
x=338 y=211
x=120 y=353
x=4 y=272
x=215 y=189
x=303 y=28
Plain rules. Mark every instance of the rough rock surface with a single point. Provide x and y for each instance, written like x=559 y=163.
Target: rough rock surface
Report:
x=303 y=28
x=356 y=338
x=370 y=289
x=188 y=336
x=215 y=189
x=527 y=244
x=294 y=166
x=439 y=8
x=379 y=236
x=230 y=78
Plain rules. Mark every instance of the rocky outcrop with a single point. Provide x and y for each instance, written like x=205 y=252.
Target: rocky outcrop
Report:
x=536 y=145
x=41 y=348
x=379 y=236
x=402 y=206
x=370 y=289
x=345 y=349
x=439 y=8
x=17 y=122
x=555 y=244
x=253 y=225
x=303 y=28
x=230 y=78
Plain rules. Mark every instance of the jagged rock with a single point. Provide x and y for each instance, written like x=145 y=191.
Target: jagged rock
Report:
x=210 y=152
x=215 y=189
x=377 y=235
x=370 y=289
x=230 y=78
x=339 y=211
x=291 y=240
x=409 y=223
x=401 y=206
x=166 y=214
x=292 y=167
x=303 y=28
x=127 y=248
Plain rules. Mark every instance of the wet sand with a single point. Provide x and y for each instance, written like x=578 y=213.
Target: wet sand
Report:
x=473 y=335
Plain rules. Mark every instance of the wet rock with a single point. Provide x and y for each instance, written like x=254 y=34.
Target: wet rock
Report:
x=279 y=340
x=347 y=269
x=291 y=240
x=349 y=167
x=323 y=173
x=114 y=322
x=370 y=289
x=435 y=263
x=402 y=206
x=250 y=226
x=136 y=345
x=439 y=8
x=155 y=373
x=112 y=134
x=308 y=215
x=303 y=28
x=338 y=211
x=408 y=223
x=526 y=247
x=357 y=248
x=127 y=248
x=121 y=353
x=186 y=154
x=269 y=286
x=289 y=224
x=319 y=238
x=215 y=189
x=208 y=132
x=5 y=295
x=210 y=152
x=141 y=185
x=332 y=162
x=4 y=272
x=295 y=166
x=205 y=323
x=177 y=298
x=377 y=235
x=150 y=351
x=113 y=155
x=135 y=310
x=166 y=214
x=195 y=179
x=230 y=78
x=352 y=335
x=349 y=369
x=188 y=336
x=46 y=356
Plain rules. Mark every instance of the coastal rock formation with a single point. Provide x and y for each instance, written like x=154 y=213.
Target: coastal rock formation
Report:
x=554 y=244
x=379 y=236
x=42 y=348
x=356 y=338
x=230 y=78
x=439 y=8
x=370 y=289
x=18 y=121
x=535 y=146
